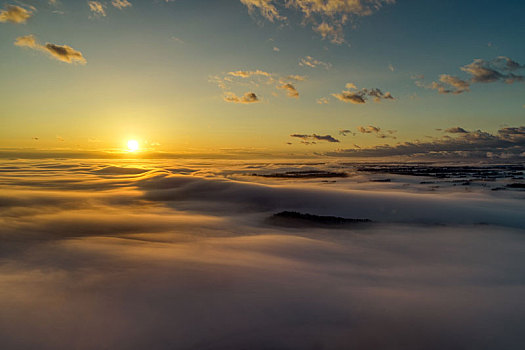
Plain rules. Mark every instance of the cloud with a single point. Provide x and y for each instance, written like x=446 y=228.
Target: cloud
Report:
x=450 y=85
x=323 y=101
x=311 y=62
x=248 y=74
x=368 y=130
x=15 y=14
x=352 y=97
x=295 y=78
x=315 y=137
x=377 y=131
x=248 y=97
x=361 y=96
x=328 y=17
x=266 y=7
x=499 y=69
x=346 y=132
x=291 y=90
x=97 y=8
x=330 y=31
x=120 y=4
x=506 y=143
x=276 y=49
x=456 y=130
x=256 y=79
x=62 y=53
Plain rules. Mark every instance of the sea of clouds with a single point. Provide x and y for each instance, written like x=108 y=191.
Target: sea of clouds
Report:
x=181 y=255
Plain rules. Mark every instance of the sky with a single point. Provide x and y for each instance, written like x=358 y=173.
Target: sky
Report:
x=336 y=77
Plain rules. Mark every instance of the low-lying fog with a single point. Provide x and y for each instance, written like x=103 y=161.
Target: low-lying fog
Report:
x=181 y=255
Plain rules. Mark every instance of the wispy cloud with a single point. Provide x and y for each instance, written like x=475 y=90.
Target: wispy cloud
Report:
x=62 y=53
x=97 y=8
x=328 y=17
x=121 y=4
x=311 y=62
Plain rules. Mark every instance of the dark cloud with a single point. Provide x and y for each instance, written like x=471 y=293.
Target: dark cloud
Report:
x=248 y=97
x=376 y=131
x=456 y=130
x=62 y=53
x=499 y=69
x=361 y=96
x=507 y=143
x=315 y=137
x=290 y=89
x=346 y=132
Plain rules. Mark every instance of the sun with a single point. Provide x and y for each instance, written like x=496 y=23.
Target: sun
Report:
x=133 y=145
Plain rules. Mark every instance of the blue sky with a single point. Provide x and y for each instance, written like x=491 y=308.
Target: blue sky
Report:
x=152 y=67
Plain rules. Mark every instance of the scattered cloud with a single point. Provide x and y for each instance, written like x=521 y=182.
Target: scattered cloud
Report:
x=368 y=130
x=62 y=53
x=391 y=68
x=449 y=84
x=276 y=49
x=97 y=8
x=248 y=74
x=328 y=17
x=248 y=97
x=376 y=131
x=295 y=77
x=315 y=137
x=346 y=132
x=311 y=62
x=499 y=69
x=323 y=101
x=15 y=14
x=291 y=90
x=361 y=96
x=256 y=79
x=333 y=32
x=456 y=130
x=508 y=142
x=121 y=4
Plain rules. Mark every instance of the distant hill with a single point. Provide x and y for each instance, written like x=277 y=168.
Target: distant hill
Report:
x=296 y=219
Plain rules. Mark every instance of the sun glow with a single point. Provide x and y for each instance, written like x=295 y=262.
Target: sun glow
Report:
x=133 y=145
